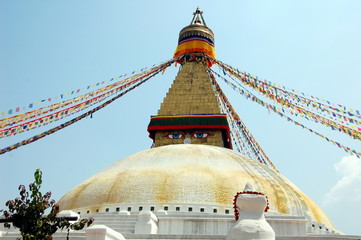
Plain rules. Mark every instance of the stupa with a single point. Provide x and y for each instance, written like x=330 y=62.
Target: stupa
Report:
x=189 y=177
x=183 y=187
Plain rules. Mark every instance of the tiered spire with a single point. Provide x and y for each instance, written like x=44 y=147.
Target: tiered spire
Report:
x=190 y=112
x=190 y=93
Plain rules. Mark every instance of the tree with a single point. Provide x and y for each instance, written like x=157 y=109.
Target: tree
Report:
x=27 y=213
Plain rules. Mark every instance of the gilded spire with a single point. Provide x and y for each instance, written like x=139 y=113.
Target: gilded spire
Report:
x=198 y=13
x=190 y=111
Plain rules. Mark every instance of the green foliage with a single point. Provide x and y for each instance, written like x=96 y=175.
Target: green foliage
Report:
x=27 y=213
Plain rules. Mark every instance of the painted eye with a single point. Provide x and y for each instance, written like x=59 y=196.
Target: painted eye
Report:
x=200 y=135
x=175 y=136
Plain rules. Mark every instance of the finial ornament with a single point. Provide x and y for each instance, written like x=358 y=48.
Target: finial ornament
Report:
x=248 y=188
x=195 y=20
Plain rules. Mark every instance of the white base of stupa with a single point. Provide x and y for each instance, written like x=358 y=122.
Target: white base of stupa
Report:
x=187 y=225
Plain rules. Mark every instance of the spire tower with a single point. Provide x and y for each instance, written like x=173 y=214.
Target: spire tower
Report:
x=190 y=112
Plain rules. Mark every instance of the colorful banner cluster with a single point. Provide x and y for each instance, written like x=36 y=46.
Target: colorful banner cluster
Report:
x=42 y=121
x=239 y=130
x=280 y=112
x=89 y=113
x=336 y=110
x=65 y=95
x=281 y=95
x=336 y=117
x=44 y=110
x=301 y=110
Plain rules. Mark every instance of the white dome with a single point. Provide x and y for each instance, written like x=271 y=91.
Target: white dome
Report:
x=189 y=174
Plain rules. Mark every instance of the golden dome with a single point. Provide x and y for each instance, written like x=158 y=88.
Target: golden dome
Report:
x=189 y=174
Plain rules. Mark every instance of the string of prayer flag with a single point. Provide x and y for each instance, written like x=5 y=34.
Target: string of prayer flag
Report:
x=89 y=113
x=278 y=92
x=239 y=129
x=352 y=130
x=44 y=110
x=55 y=116
x=279 y=112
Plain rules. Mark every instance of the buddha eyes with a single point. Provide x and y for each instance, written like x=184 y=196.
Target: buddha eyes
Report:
x=180 y=135
x=200 y=135
x=175 y=136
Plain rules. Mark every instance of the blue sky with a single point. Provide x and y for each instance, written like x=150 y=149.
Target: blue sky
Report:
x=52 y=47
